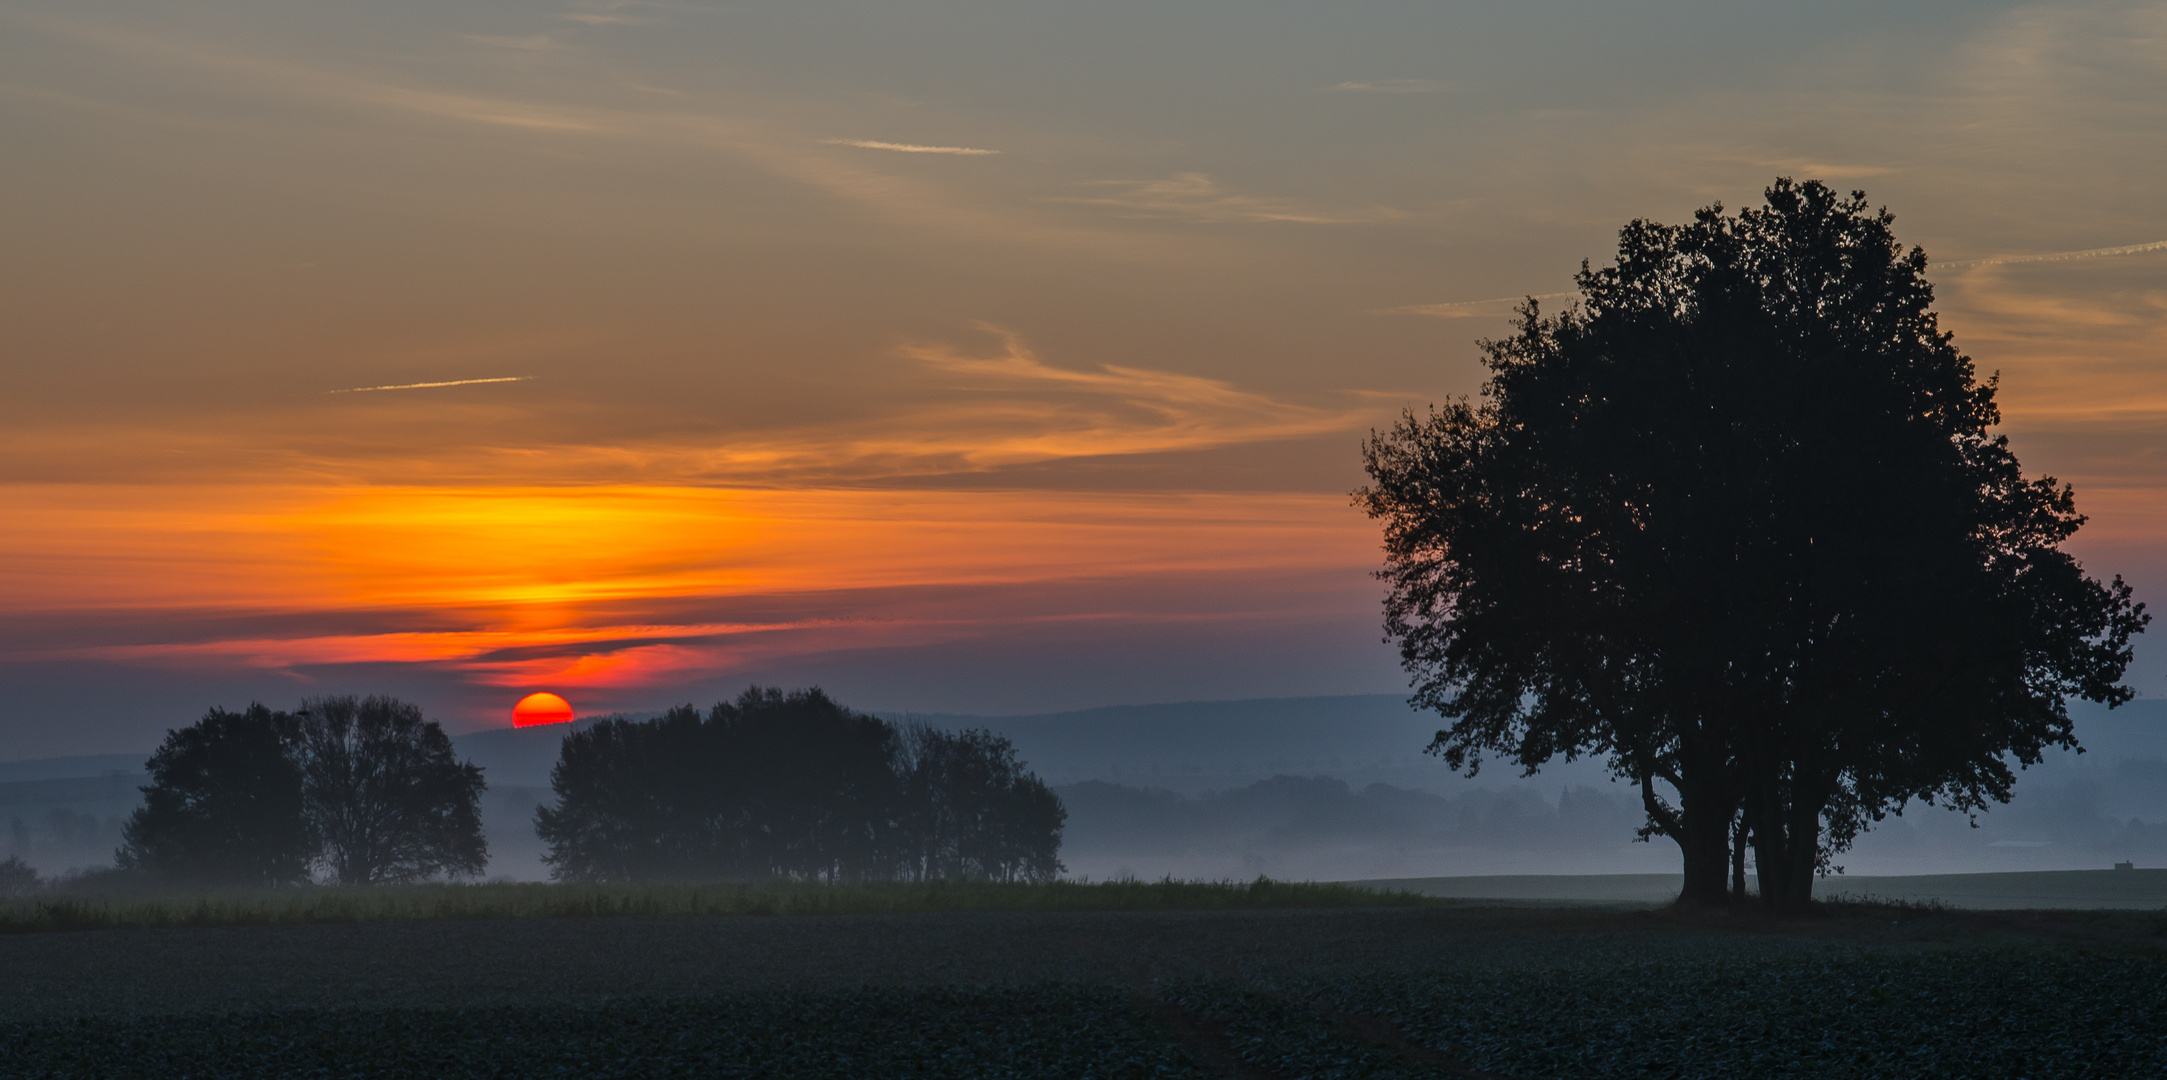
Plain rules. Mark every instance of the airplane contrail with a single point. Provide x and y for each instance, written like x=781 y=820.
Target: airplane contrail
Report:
x=909 y=148
x=1477 y=307
x=430 y=385
x=2061 y=256
x=1457 y=308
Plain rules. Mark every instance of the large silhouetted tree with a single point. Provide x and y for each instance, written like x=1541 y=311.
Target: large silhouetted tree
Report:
x=386 y=795
x=1738 y=523
x=224 y=805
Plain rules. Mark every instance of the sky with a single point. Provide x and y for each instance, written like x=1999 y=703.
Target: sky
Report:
x=958 y=357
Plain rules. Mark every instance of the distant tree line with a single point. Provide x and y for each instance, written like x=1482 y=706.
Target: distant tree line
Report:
x=364 y=790
x=794 y=785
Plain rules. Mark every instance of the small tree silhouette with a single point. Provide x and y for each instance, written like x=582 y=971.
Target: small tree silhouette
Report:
x=17 y=878
x=385 y=793
x=793 y=785
x=973 y=811
x=224 y=804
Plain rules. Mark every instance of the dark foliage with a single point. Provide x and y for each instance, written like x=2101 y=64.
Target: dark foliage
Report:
x=224 y=805
x=1738 y=523
x=777 y=785
x=364 y=786
x=385 y=794
x=972 y=811
x=17 y=878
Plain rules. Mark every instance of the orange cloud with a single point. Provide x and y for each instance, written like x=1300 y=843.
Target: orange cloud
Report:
x=530 y=586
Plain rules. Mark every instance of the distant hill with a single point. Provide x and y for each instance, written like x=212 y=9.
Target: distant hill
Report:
x=60 y=768
x=520 y=757
x=1199 y=746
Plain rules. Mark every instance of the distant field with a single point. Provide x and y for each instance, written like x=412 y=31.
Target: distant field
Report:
x=2051 y=889
x=1356 y=993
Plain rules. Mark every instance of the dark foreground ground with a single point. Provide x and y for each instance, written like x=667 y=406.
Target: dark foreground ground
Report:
x=1351 y=993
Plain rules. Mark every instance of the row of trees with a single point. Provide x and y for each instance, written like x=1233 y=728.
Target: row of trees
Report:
x=794 y=785
x=773 y=785
x=363 y=790
x=1738 y=522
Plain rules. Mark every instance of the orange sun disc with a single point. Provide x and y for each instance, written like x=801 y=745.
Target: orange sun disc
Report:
x=541 y=709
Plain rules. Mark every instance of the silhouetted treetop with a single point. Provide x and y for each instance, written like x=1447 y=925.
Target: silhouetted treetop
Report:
x=1738 y=522
x=792 y=785
x=385 y=793
x=364 y=787
x=224 y=805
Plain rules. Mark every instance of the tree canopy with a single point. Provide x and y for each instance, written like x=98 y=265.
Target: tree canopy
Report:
x=971 y=810
x=224 y=805
x=388 y=799
x=365 y=789
x=1737 y=521
x=792 y=785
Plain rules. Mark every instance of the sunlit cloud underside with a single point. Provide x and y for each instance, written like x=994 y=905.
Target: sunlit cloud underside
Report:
x=591 y=583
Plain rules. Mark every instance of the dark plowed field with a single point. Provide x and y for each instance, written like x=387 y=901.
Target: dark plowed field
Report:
x=1354 y=993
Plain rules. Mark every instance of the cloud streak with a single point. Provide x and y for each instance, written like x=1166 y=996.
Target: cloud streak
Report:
x=1197 y=197
x=910 y=148
x=620 y=586
x=1461 y=309
x=768 y=145
x=2058 y=256
x=1466 y=309
x=1391 y=86
x=1017 y=409
x=432 y=385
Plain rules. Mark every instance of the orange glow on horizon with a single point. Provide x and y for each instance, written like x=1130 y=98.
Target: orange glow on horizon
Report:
x=541 y=708
x=617 y=587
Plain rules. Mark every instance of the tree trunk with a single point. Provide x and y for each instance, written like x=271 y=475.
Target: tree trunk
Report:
x=1738 y=860
x=1788 y=855
x=1704 y=838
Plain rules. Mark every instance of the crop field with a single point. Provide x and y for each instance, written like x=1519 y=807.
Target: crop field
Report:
x=1219 y=991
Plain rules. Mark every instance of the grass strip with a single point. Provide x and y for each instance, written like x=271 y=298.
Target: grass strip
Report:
x=536 y=900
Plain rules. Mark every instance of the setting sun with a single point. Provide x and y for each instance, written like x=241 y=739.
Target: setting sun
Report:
x=543 y=708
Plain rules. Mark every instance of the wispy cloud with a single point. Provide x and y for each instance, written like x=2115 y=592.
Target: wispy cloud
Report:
x=621 y=586
x=1197 y=197
x=1392 y=86
x=1465 y=309
x=609 y=14
x=1461 y=309
x=1816 y=169
x=909 y=148
x=529 y=43
x=431 y=385
x=1014 y=408
x=2059 y=256
x=769 y=145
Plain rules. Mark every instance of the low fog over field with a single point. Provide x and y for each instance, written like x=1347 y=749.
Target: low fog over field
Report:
x=1324 y=788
